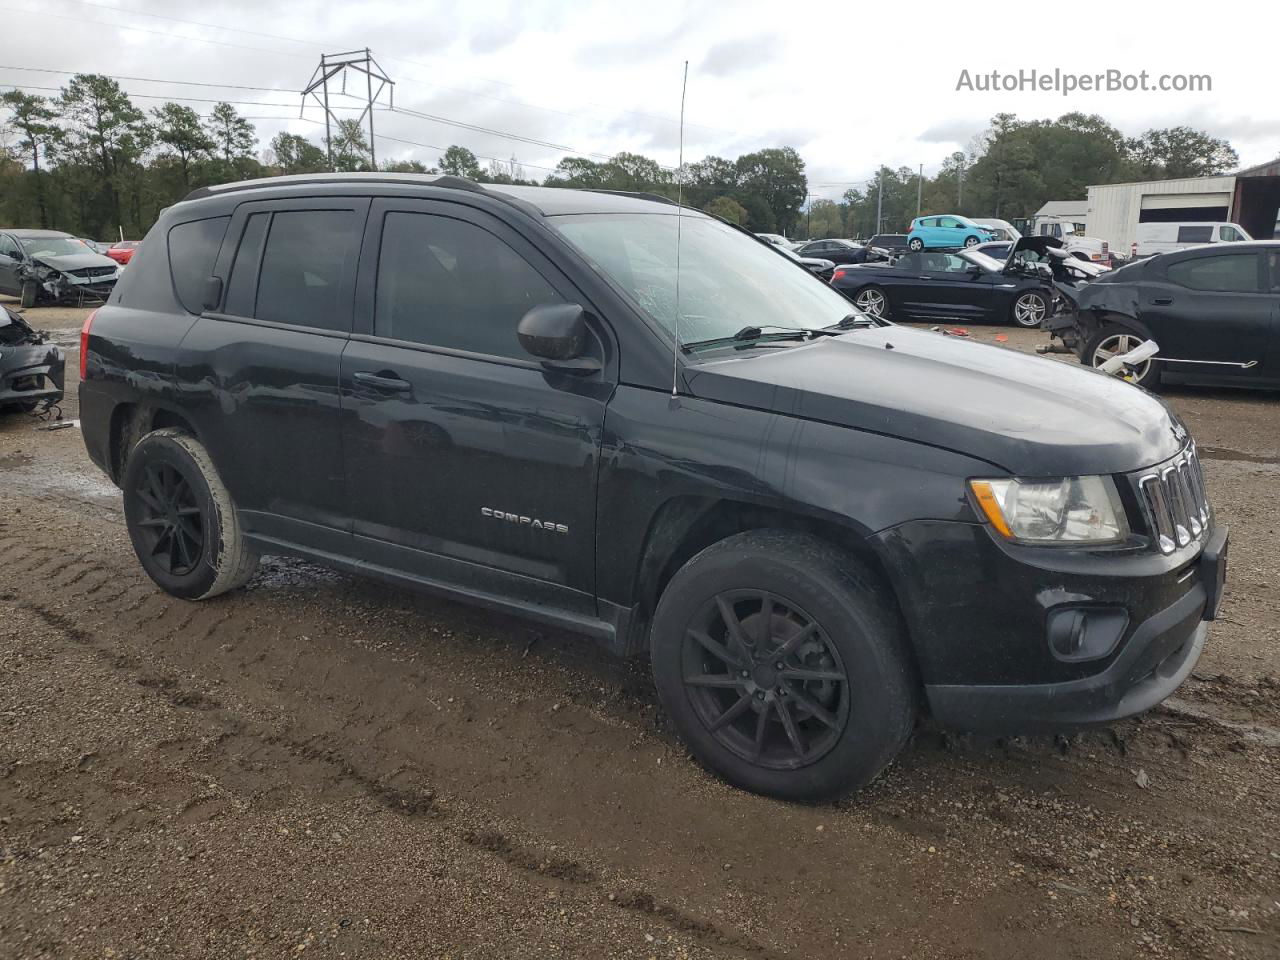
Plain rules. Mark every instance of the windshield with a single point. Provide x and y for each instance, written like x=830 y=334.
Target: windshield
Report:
x=53 y=246
x=727 y=280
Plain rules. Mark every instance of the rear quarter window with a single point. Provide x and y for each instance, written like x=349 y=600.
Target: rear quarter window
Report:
x=1195 y=234
x=193 y=250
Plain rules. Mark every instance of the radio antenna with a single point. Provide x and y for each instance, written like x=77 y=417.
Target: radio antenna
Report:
x=675 y=350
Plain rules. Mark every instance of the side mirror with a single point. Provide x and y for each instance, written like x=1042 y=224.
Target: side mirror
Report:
x=556 y=333
x=212 y=293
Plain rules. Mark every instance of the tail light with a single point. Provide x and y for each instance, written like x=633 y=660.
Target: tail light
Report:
x=84 y=342
x=837 y=275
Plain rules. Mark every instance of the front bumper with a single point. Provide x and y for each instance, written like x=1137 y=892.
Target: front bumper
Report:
x=980 y=627
x=31 y=373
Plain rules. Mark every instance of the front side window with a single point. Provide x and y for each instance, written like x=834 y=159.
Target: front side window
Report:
x=1229 y=234
x=448 y=283
x=1231 y=273
x=8 y=246
x=302 y=269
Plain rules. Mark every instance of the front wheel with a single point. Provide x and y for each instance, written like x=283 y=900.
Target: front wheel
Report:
x=182 y=520
x=970 y=241
x=915 y=244
x=1030 y=309
x=1113 y=341
x=784 y=666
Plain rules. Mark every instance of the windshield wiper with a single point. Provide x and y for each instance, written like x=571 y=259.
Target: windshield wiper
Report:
x=756 y=333
x=853 y=320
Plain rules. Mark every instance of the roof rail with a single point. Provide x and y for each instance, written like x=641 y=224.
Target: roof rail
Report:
x=635 y=194
x=435 y=180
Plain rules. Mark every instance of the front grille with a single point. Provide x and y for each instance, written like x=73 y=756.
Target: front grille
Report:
x=1174 y=502
x=89 y=272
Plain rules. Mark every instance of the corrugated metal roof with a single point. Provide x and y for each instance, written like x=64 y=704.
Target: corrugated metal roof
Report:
x=1269 y=169
x=1064 y=208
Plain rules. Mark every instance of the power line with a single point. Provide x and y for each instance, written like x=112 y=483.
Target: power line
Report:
x=157 y=96
x=313 y=43
x=181 y=83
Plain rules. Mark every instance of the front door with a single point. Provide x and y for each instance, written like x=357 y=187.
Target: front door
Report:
x=1214 y=311
x=955 y=289
x=466 y=461
x=10 y=264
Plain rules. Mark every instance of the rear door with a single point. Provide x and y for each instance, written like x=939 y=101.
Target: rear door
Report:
x=466 y=461
x=1212 y=313
x=954 y=289
x=262 y=368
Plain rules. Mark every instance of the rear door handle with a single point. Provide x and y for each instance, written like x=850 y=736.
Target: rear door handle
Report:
x=1162 y=301
x=385 y=380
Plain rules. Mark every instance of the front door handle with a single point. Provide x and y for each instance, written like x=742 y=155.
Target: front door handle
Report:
x=383 y=380
x=1162 y=301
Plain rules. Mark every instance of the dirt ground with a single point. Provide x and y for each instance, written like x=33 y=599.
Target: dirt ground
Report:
x=320 y=765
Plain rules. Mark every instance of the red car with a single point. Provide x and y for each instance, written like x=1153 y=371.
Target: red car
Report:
x=122 y=252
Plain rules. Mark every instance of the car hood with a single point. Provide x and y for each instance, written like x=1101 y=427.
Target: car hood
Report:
x=76 y=261
x=1028 y=415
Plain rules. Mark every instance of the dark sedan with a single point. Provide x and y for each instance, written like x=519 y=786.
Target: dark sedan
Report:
x=1214 y=311
x=947 y=286
x=837 y=251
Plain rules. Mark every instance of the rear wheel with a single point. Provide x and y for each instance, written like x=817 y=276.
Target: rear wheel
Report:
x=181 y=518
x=1115 y=340
x=915 y=244
x=783 y=666
x=872 y=301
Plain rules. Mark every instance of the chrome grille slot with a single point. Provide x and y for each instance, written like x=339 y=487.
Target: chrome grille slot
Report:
x=1174 y=502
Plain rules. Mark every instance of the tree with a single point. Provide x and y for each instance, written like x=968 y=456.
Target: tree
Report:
x=1181 y=152
x=577 y=172
x=296 y=154
x=31 y=116
x=350 y=148
x=406 y=166
x=460 y=162
x=776 y=175
x=233 y=135
x=105 y=130
x=727 y=209
x=179 y=129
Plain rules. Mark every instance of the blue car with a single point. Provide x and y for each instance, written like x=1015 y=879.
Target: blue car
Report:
x=941 y=232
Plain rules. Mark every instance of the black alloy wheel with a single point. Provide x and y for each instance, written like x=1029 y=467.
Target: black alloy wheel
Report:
x=171 y=523
x=765 y=680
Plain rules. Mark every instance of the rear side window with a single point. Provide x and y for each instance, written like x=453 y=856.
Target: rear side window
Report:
x=193 y=250
x=1195 y=234
x=302 y=269
x=448 y=283
x=243 y=286
x=1234 y=273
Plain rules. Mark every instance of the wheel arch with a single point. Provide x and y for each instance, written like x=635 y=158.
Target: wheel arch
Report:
x=686 y=525
x=130 y=422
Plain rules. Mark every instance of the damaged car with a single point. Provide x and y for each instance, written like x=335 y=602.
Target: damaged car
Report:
x=1213 y=310
x=49 y=267
x=31 y=368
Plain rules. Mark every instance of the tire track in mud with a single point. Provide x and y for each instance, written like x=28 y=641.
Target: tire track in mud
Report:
x=330 y=766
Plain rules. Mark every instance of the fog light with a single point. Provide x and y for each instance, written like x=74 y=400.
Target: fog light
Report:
x=1085 y=633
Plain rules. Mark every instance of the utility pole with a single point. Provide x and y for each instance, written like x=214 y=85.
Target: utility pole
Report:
x=919 y=189
x=960 y=188
x=333 y=64
x=880 y=200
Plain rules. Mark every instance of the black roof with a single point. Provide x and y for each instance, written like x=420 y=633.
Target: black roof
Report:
x=547 y=201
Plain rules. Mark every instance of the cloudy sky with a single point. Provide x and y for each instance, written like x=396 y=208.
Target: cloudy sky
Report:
x=849 y=85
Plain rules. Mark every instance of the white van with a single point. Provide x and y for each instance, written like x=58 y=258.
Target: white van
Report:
x=1165 y=237
x=1073 y=239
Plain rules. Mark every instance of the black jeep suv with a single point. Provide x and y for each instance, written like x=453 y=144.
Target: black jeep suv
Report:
x=814 y=523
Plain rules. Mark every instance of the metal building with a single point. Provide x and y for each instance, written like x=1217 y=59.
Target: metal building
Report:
x=1250 y=198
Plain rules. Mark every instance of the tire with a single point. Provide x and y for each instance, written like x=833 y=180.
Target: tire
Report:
x=970 y=242
x=1029 y=309
x=1116 y=338
x=29 y=292
x=844 y=704
x=915 y=244
x=866 y=300
x=181 y=519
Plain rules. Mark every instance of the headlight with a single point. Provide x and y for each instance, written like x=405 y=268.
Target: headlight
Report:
x=1070 y=510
